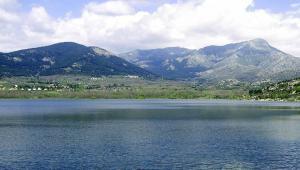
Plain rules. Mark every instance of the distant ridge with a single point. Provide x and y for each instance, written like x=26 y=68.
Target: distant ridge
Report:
x=247 y=61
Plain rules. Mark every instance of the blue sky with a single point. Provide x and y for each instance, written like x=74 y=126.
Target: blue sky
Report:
x=59 y=8
x=276 y=5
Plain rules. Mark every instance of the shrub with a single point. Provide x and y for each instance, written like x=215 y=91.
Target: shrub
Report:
x=298 y=89
x=255 y=91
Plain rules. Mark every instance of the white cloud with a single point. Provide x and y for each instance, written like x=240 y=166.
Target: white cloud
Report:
x=7 y=11
x=109 y=8
x=8 y=4
x=119 y=26
x=38 y=21
x=295 y=5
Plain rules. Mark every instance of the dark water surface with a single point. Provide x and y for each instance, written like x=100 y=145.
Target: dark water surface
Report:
x=149 y=134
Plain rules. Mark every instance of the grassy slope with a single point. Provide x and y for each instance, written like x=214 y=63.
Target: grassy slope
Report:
x=110 y=88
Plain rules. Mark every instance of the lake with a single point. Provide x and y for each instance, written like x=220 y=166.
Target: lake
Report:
x=149 y=134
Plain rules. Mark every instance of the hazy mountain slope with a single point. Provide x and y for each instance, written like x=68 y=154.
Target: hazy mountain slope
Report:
x=252 y=61
x=66 y=58
x=248 y=61
x=164 y=62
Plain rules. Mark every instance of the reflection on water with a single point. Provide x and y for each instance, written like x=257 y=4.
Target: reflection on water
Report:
x=149 y=134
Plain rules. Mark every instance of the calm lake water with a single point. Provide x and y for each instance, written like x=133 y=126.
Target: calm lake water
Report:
x=149 y=134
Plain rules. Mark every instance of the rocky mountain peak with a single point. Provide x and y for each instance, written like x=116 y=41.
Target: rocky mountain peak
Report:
x=258 y=43
x=101 y=51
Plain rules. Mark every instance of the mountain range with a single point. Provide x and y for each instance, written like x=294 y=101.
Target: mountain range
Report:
x=248 y=61
x=66 y=58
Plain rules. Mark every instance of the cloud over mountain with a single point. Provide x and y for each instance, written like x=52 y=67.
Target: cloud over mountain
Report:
x=120 y=26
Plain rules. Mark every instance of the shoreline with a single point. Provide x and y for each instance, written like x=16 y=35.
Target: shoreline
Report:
x=153 y=99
